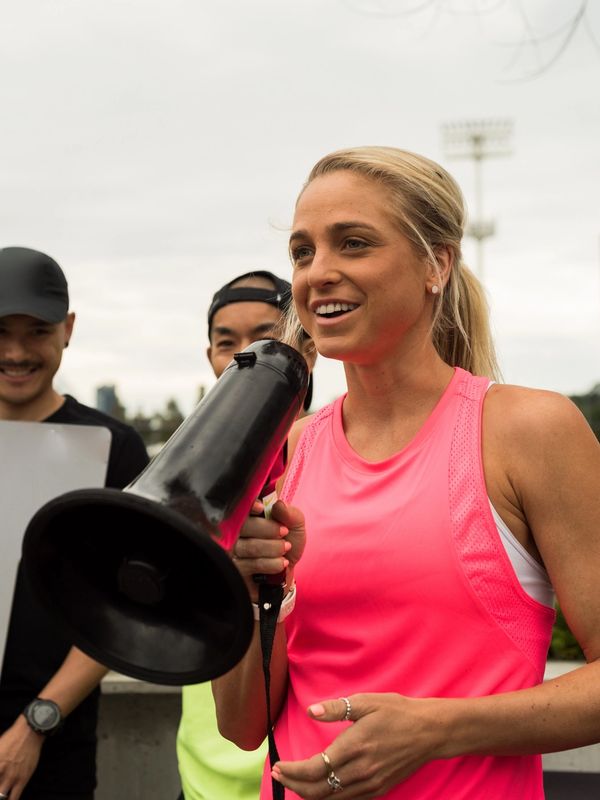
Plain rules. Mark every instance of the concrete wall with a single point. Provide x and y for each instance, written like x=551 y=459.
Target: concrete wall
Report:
x=138 y=726
x=136 y=740
x=583 y=759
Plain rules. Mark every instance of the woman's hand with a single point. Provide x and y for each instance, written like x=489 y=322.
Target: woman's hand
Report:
x=392 y=736
x=270 y=546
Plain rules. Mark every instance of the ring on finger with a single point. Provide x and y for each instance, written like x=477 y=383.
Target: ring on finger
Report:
x=332 y=779
x=348 y=711
x=327 y=762
x=334 y=782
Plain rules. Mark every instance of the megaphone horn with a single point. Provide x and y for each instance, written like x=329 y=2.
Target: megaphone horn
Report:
x=141 y=579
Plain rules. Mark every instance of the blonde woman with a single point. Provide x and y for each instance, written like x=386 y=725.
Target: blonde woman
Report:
x=427 y=518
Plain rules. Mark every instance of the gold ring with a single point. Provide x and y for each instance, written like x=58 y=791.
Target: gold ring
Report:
x=327 y=762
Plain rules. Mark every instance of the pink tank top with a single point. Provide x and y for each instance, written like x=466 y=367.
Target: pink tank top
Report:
x=405 y=587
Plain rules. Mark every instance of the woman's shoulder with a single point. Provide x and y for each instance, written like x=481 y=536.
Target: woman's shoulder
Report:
x=537 y=447
x=530 y=416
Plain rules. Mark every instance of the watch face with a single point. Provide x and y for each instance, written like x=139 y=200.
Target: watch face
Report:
x=44 y=714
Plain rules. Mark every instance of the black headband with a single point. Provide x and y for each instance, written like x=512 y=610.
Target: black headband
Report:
x=279 y=296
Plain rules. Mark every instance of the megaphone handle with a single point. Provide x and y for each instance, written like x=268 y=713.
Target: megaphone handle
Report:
x=270 y=580
x=261 y=578
x=270 y=598
x=271 y=589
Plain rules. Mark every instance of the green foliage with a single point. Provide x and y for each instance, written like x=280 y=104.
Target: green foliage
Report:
x=564 y=646
x=159 y=426
x=589 y=405
x=154 y=428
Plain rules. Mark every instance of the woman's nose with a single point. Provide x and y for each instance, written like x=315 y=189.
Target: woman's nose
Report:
x=322 y=270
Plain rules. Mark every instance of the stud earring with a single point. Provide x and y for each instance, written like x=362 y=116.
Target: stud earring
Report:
x=435 y=289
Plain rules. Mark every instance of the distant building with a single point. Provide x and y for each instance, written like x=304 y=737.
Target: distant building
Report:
x=108 y=401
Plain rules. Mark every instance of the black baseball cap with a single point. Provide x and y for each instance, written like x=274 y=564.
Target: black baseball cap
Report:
x=32 y=283
x=279 y=296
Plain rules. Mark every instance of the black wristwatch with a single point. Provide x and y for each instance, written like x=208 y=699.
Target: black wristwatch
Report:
x=43 y=716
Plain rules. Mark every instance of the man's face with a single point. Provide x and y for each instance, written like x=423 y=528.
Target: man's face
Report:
x=30 y=354
x=236 y=326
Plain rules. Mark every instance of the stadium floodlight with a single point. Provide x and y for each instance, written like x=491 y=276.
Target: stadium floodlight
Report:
x=478 y=139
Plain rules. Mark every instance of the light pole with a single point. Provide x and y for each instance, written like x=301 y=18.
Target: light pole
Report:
x=478 y=140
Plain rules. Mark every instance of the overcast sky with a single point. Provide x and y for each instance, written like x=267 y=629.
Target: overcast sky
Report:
x=156 y=148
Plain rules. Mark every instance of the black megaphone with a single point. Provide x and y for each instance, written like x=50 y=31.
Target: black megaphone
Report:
x=141 y=579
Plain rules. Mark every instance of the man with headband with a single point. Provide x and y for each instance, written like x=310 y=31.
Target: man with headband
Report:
x=211 y=768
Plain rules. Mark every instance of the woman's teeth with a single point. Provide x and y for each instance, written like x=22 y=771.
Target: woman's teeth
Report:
x=334 y=308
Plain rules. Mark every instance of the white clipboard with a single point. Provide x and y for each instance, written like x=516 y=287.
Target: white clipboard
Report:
x=39 y=461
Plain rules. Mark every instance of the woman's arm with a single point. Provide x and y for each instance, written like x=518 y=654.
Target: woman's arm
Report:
x=267 y=546
x=264 y=546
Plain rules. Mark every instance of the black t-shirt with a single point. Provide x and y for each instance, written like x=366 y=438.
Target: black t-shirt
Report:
x=36 y=646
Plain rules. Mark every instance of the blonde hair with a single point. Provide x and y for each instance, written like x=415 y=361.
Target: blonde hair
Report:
x=428 y=207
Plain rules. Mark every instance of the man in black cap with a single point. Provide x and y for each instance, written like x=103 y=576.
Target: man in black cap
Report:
x=243 y=311
x=48 y=689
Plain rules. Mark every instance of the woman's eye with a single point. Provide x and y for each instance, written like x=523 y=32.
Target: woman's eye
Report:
x=354 y=244
x=300 y=253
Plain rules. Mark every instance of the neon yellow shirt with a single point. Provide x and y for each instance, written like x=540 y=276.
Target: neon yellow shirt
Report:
x=211 y=767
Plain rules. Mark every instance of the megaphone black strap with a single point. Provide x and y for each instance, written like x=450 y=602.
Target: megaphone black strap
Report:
x=270 y=598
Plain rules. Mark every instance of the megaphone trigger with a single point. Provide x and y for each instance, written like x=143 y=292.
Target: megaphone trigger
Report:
x=259 y=578
x=268 y=499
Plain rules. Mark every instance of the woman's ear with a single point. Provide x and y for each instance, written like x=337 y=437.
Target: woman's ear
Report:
x=444 y=256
